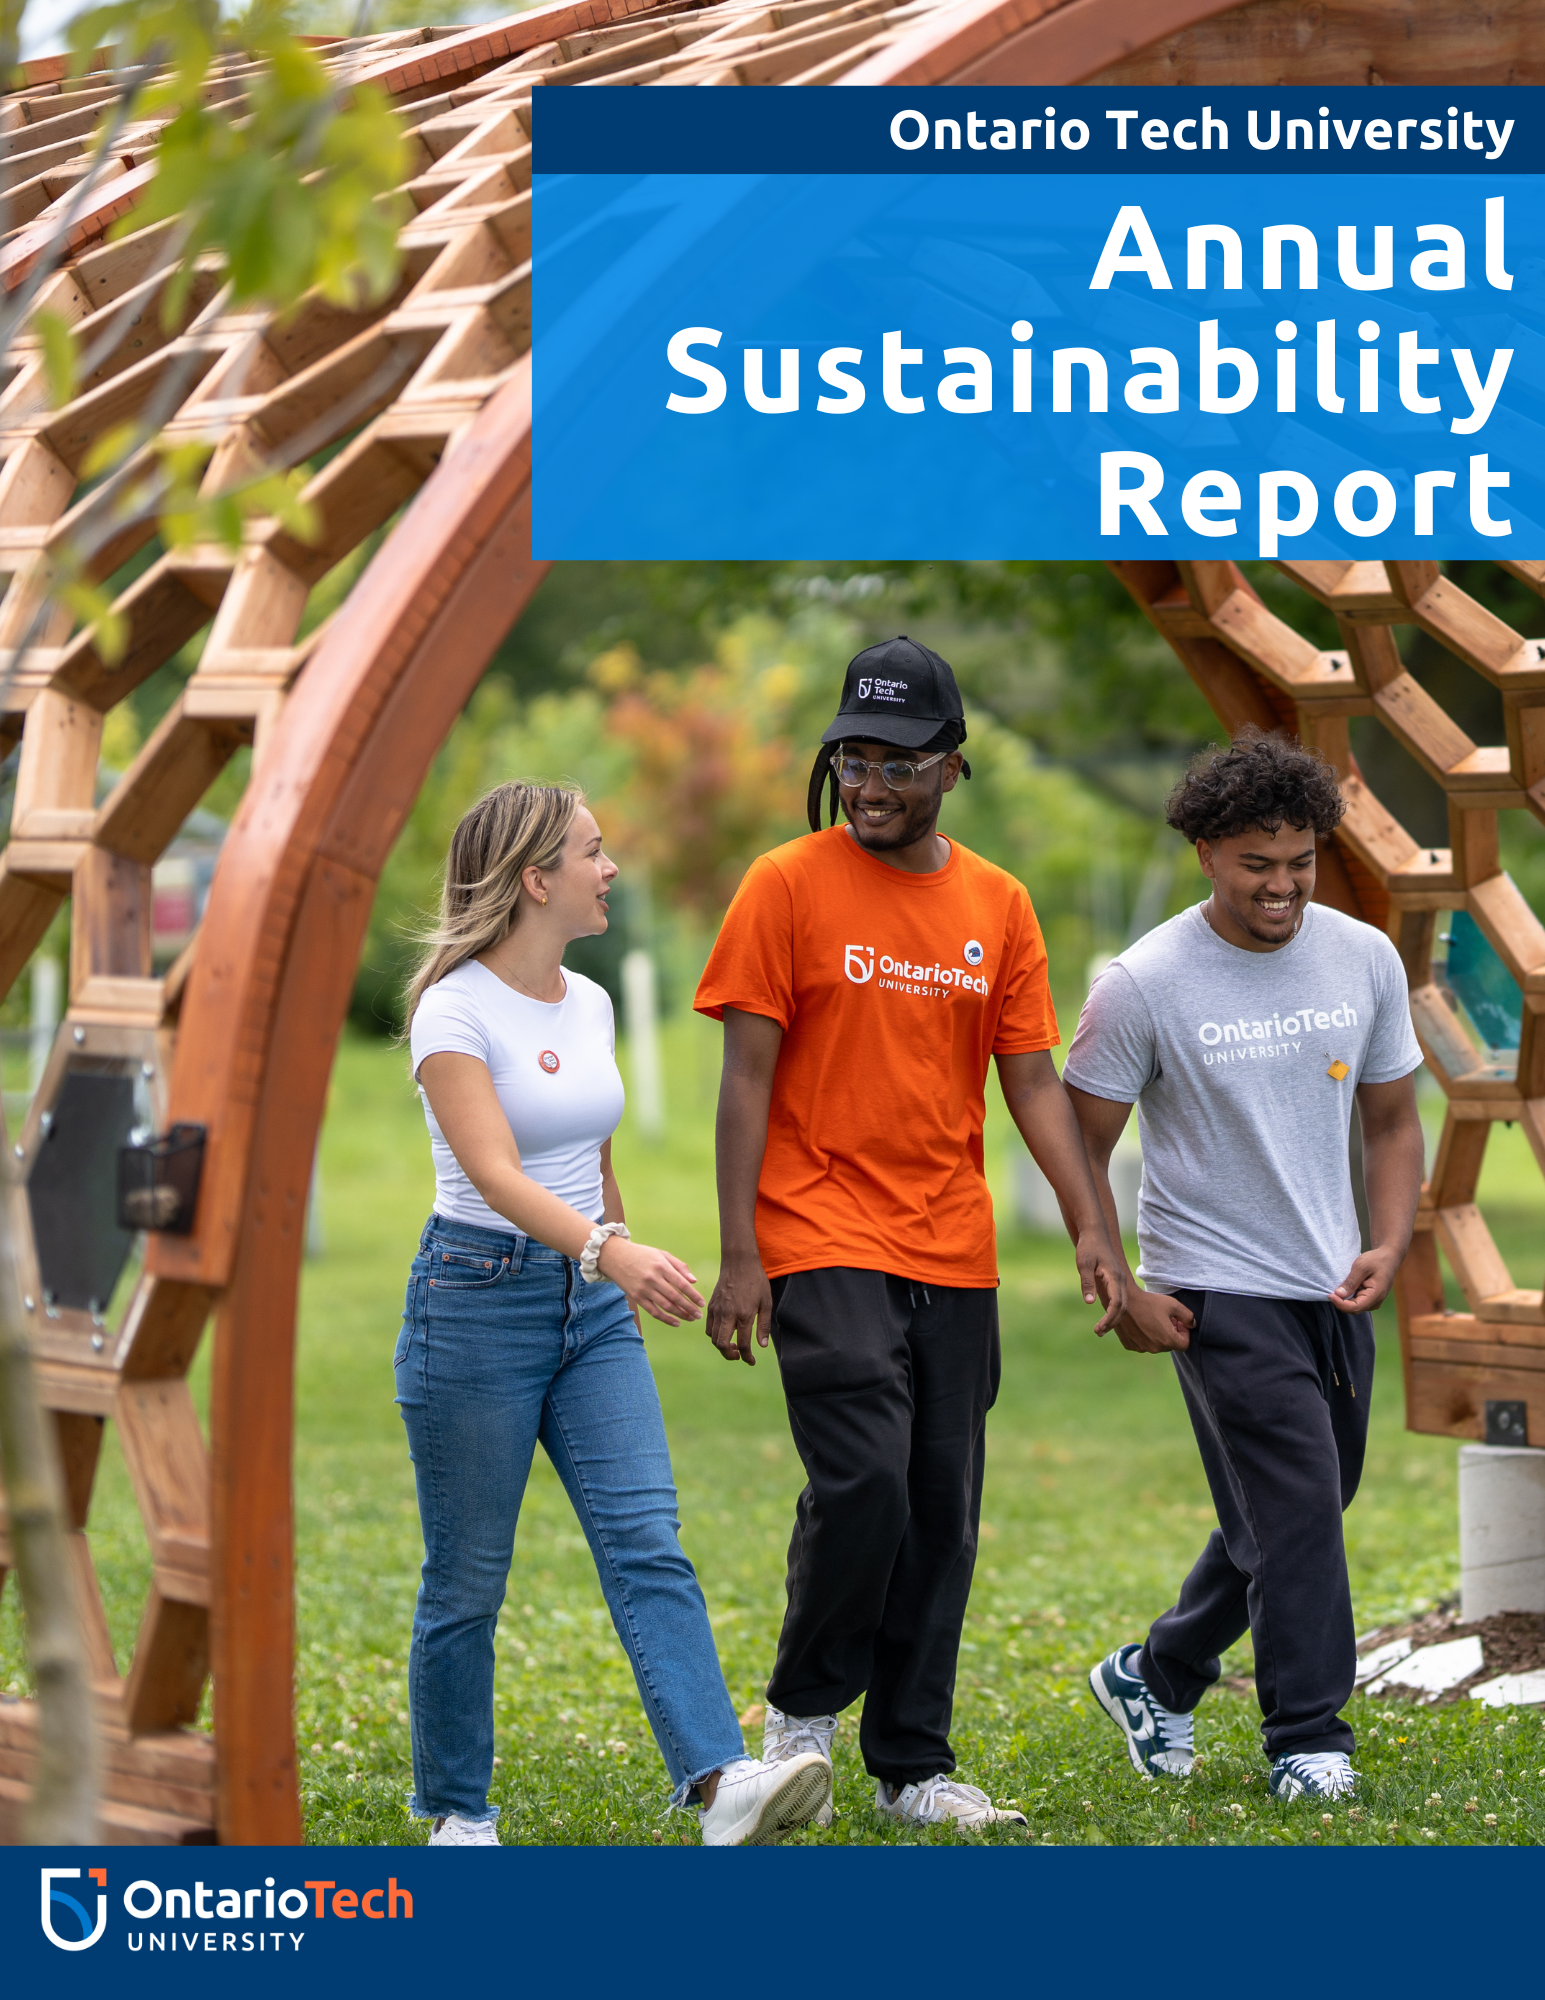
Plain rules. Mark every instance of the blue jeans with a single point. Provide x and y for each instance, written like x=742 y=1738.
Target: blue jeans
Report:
x=501 y=1344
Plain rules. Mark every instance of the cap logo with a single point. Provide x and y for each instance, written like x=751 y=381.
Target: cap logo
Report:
x=865 y=688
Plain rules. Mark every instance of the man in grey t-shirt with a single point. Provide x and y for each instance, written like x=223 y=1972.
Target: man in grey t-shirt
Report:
x=1245 y=1030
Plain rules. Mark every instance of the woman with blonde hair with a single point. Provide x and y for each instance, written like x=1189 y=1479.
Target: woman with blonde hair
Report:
x=520 y=1324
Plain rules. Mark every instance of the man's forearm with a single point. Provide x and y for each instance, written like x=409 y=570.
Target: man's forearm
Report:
x=1099 y=1171
x=1393 y=1165
x=740 y=1140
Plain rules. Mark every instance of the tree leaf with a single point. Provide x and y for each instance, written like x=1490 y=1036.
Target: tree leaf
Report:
x=93 y=606
x=58 y=343
x=110 y=450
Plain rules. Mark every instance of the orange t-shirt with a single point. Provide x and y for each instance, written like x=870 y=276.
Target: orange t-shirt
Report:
x=893 y=991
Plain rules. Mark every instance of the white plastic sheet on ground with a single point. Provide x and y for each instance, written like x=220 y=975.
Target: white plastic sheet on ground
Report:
x=1381 y=1659
x=1433 y=1670
x=1509 y=1690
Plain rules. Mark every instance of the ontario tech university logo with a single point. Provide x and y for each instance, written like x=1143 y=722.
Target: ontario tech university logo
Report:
x=901 y=975
x=75 y=1916
x=258 y=1917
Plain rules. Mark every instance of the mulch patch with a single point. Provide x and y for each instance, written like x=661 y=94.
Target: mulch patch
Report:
x=1513 y=1642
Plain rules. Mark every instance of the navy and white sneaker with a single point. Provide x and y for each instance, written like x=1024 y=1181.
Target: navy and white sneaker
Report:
x=1159 y=1739
x=1313 y=1774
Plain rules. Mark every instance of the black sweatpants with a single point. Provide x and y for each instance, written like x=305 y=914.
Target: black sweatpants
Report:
x=1278 y=1392
x=888 y=1384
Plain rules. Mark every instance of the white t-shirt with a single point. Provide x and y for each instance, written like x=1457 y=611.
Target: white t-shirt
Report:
x=554 y=1068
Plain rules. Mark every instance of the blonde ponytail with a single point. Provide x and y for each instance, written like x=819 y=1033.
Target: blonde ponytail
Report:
x=515 y=827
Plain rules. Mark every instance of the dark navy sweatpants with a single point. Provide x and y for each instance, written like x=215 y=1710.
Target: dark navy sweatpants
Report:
x=1278 y=1393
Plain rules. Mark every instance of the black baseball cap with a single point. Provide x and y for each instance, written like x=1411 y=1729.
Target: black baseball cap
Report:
x=897 y=692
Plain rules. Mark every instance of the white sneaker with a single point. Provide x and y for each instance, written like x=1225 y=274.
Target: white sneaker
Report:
x=939 y=1800
x=756 y=1804
x=786 y=1736
x=1313 y=1774
x=454 y=1831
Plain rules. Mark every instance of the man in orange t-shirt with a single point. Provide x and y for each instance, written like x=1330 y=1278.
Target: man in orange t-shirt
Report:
x=866 y=977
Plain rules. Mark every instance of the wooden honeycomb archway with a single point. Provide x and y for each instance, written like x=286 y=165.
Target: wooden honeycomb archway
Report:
x=428 y=397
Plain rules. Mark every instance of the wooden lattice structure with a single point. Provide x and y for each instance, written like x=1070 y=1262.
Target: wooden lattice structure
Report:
x=429 y=397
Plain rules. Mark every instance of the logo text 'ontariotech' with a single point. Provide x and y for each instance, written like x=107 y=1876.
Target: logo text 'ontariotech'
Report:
x=858 y=962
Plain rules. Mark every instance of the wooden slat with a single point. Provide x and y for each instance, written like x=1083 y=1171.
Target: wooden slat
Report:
x=1450 y=1397
x=1456 y=1167
x=144 y=812
x=1477 y=1262
x=161 y=1329
x=1515 y=932
x=1415 y=720
x=1377 y=837
x=169 y=1466
x=1513 y=1307
x=171 y=1664
x=1468 y=1339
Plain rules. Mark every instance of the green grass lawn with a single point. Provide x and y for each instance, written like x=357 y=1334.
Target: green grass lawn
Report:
x=1095 y=1506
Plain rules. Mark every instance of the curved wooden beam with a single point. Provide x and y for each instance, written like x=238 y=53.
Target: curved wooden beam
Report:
x=1201 y=42
x=1028 y=41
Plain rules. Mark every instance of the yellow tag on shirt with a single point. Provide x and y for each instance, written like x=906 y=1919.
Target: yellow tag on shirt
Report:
x=1338 y=1070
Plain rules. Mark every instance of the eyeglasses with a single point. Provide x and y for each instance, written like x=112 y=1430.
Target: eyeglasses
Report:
x=897 y=772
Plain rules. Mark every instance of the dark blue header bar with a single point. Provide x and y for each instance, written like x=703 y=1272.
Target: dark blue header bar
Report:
x=1033 y=130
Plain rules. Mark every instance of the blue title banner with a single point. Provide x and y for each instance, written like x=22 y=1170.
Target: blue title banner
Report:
x=840 y=334
x=1019 y=130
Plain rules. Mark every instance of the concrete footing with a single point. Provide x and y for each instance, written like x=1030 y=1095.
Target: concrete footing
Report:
x=1501 y=1529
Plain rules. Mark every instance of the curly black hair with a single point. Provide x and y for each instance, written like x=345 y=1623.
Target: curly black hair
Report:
x=1258 y=781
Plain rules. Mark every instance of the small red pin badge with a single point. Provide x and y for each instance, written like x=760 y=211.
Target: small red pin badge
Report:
x=548 y=1061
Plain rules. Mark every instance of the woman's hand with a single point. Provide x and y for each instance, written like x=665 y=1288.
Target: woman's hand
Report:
x=653 y=1279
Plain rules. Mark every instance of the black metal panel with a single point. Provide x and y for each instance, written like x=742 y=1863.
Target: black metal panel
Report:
x=73 y=1188
x=1507 y=1422
x=158 y=1181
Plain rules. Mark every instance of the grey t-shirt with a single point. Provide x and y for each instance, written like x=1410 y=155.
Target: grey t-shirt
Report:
x=1243 y=1066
